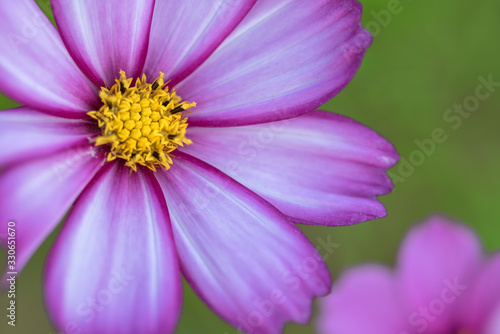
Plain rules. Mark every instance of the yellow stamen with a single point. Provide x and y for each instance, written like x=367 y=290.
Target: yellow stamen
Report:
x=142 y=124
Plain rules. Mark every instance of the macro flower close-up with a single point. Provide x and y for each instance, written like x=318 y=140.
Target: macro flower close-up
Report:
x=443 y=284
x=181 y=139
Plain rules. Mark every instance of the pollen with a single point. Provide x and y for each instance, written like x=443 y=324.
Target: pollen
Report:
x=142 y=123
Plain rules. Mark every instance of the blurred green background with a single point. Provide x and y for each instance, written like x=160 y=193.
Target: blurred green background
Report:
x=426 y=58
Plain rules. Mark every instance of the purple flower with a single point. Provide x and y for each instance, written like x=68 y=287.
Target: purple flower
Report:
x=206 y=179
x=443 y=284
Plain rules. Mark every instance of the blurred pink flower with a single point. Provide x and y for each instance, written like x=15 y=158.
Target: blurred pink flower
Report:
x=223 y=213
x=443 y=284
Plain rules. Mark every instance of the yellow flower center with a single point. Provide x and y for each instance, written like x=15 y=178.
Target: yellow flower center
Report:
x=142 y=124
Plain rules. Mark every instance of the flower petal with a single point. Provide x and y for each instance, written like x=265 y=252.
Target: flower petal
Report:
x=286 y=58
x=436 y=263
x=480 y=302
x=317 y=168
x=37 y=194
x=185 y=33
x=245 y=260
x=493 y=326
x=105 y=37
x=113 y=268
x=26 y=134
x=364 y=300
x=35 y=67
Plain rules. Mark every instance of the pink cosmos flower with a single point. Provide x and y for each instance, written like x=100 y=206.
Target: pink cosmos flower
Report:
x=206 y=179
x=443 y=284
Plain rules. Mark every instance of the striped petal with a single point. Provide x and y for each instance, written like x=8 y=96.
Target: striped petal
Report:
x=185 y=33
x=105 y=37
x=26 y=134
x=246 y=261
x=37 y=194
x=319 y=168
x=113 y=268
x=35 y=68
x=286 y=58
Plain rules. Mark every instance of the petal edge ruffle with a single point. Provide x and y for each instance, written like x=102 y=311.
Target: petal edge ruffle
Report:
x=318 y=168
x=286 y=58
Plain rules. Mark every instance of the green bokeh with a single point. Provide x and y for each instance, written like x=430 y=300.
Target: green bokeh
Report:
x=427 y=58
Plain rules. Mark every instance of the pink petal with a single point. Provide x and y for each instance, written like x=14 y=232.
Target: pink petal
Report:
x=286 y=58
x=105 y=37
x=318 y=168
x=246 y=261
x=493 y=326
x=26 y=134
x=35 y=67
x=436 y=262
x=482 y=299
x=364 y=300
x=37 y=194
x=113 y=268
x=185 y=33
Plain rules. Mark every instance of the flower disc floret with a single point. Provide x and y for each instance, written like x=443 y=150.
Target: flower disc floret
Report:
x=143 y=123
